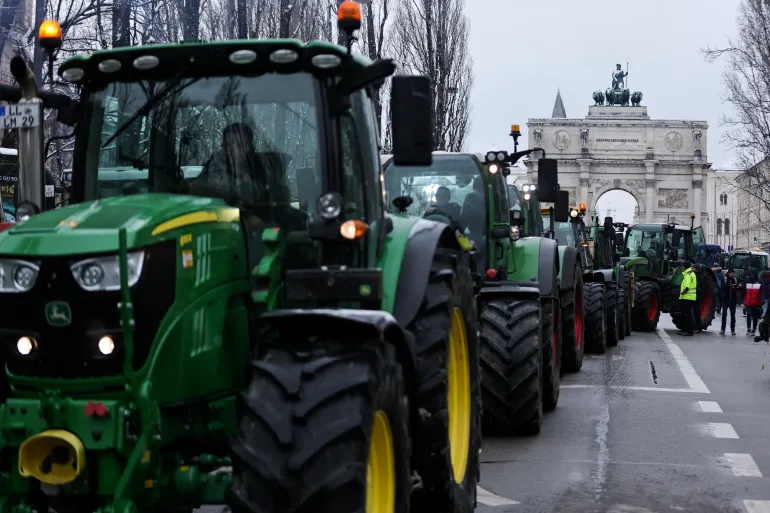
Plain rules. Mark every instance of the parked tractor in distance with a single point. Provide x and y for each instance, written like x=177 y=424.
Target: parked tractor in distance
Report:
x=514 y=288
x=655 y=253
x=280 y=344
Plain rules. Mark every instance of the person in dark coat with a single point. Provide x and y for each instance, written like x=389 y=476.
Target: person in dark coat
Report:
x=765 y=293
x=728 y=295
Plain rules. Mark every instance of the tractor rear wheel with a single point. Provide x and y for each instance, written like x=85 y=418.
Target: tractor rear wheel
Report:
x=621 y=313
x=511 y=354
x=707 y=304
x=595 y=317
x=627 y=310
x=323 y=431
x=448 y=380
x=646 y=311
x=572 y=327
x=550 y=339
x=611 y=315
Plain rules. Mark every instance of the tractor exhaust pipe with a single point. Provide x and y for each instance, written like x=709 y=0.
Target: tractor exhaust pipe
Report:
x=30 y=188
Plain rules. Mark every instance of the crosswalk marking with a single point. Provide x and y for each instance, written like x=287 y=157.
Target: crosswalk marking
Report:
x=757 y=506
x=742 y=465
x=710 y=406
x=490 y=499
x=722 y=430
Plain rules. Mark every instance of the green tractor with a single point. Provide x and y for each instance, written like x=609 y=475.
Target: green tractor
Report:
x=655 y=254
x=515 y=281
x=280 y=344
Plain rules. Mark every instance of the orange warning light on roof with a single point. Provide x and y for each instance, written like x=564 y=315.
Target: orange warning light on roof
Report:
x=49 y=29
x=349 y=11
x=583 y=207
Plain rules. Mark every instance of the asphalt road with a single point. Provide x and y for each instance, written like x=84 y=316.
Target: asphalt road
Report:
x=692 y=436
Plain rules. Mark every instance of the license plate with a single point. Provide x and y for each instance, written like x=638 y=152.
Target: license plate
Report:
x=18 y=116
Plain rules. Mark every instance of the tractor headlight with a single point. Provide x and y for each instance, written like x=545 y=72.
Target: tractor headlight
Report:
x=25 y=345
x=17 y=276
x=103 y=273
x=515 y=233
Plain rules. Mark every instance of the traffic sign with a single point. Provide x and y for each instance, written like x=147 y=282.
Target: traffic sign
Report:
x=18 y=116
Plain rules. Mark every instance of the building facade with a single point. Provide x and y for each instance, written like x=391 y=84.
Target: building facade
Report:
x=752 y=189
x=722 y=198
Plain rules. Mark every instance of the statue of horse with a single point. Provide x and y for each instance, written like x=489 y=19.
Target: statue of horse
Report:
x=636 y=98
x=599 y=98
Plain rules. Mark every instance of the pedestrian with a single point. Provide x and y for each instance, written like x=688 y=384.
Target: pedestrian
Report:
x=752 y=302
x=687 y=296
x=765 y=292
x=728 y=297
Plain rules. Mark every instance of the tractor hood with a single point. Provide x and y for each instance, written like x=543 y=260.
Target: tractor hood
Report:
x=92 y=227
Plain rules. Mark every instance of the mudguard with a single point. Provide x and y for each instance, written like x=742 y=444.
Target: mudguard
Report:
x=567 y=257
x=348 y=326
x=534 y=261
x=491 y=292
x=424 y=238
x=599 y=276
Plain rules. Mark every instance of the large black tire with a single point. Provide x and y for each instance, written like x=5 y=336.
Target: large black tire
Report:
x=611 y=315
x=621 y=313
x=511 y=354
x=706 y=307
x=627 y=310
x=572 y=326
x=550 y=338
x=449 y=304
x=594 y=314
x=305 y=430
x=646 y=313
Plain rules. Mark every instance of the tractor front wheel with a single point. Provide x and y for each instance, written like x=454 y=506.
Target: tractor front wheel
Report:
x=511 y=359
x=646 y=311
x=550 y=338
x=707 y=304
x=323 y=431
x=595 y=317
x=448 y=375
x=611 y=304
x=572 y=327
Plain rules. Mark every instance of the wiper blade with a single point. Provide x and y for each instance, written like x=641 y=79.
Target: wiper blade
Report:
x=150 y=103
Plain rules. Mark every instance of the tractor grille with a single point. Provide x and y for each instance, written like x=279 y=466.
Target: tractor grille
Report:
x=72 y=352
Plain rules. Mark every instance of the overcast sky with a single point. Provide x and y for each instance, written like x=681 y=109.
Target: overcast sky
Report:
x=523 y=50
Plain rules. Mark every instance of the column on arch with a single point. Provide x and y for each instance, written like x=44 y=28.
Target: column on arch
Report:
x=585 y=180
x=697 y=188
x=649 y=193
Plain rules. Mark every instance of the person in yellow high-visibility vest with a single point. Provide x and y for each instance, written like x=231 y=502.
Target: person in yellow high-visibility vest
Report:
x=687 y=297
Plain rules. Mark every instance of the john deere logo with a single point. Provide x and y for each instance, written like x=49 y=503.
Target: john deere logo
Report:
x=58 y=313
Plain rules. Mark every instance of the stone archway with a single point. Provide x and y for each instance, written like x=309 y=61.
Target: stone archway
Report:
x=639 y=197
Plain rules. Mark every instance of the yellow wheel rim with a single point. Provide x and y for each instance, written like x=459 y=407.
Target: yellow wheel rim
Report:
x=381 y=468
x=459 y=400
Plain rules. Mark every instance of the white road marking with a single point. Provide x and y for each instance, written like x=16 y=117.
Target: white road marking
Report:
x=743 y=465
x=722 y=430
x=757 y=506
x=710 y=407
x=688 y=371
x=644 y=389
x=490 y=499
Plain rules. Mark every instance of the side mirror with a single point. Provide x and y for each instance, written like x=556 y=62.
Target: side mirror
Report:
x=411 y=112
x=547 y=180
x=608 y=221
x=561 y=207
x=516 y=216
x=619 y=239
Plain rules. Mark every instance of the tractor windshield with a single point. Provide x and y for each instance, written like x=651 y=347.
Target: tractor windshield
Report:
x=451 y=189
x=747 y=261
x=647 y=244
x=249 y=140
x=565 y=231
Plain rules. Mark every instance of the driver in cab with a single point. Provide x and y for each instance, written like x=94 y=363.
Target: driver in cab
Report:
x=236 y=172
x=451 y=211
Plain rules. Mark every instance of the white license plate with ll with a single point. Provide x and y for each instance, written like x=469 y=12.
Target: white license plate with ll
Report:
x=18 y=116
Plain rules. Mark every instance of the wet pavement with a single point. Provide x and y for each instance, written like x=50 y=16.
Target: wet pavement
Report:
x=661 y=423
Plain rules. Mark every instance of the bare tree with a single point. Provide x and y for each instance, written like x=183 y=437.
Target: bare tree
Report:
x=747 y=91
x=430 y=37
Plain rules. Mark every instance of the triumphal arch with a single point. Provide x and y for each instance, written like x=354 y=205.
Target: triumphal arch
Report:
x=662 y=163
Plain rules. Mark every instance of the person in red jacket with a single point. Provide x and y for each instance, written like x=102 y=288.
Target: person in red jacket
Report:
x=752 y=302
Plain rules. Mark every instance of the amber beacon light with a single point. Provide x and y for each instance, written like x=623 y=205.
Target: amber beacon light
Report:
x=50 y=35
x=349 y=16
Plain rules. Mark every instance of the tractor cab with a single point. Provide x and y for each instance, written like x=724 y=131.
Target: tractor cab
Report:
x=453 y=190
x=660 y=248
x=748 y=261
